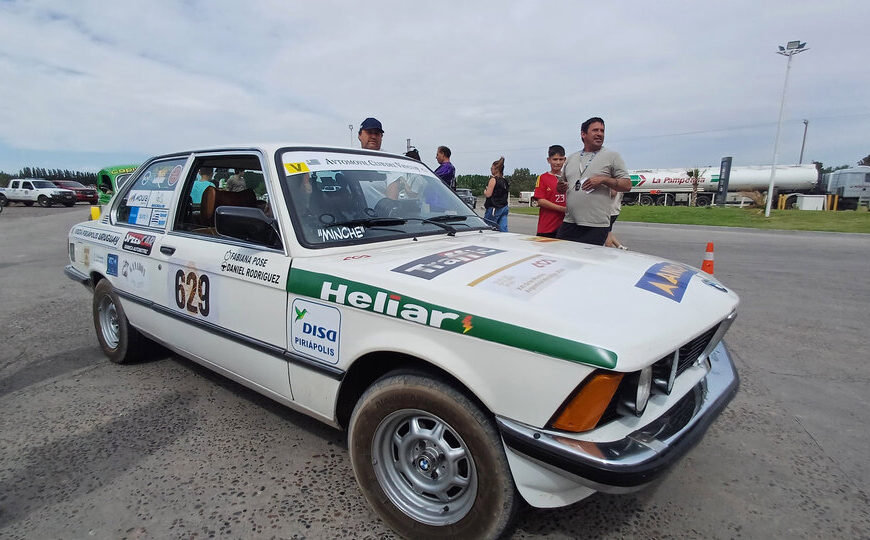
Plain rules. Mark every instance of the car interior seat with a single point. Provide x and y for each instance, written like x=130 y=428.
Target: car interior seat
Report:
x=212 y=198
x=336 y=197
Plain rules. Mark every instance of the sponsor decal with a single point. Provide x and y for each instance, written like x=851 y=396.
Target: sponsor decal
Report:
x=436 y=264
x=192 y=291
x=160 y=199
x=249 y=266
x=86 y=255
x=139 y=216
x=158 y=217
x=133 y=272
x=525 y=278
x=97 y=236
x=296 y=168
x=355 y=257
x=331 y=234
x=315 y=330
x=366 y=297
x=542 y=239
x=312 y=161
x=174 y=175
x=139 y=243
x=666 y=279
x=112 y=264
x=138 y=197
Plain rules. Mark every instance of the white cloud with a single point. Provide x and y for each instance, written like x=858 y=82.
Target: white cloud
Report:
x=485 y=78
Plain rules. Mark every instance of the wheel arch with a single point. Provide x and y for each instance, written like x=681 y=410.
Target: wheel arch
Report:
x=372 y=366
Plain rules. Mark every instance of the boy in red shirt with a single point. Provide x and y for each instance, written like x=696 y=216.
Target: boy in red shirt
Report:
x=551 y=202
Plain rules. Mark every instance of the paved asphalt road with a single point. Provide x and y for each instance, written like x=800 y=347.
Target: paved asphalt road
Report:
x=166 y=449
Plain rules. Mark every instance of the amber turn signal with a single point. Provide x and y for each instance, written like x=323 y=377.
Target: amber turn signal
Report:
x=584 y=410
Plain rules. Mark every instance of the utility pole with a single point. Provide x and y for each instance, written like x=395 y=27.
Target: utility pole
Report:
x=350 y=127
x=791 y=49
x=804 y=142
x=407 y=145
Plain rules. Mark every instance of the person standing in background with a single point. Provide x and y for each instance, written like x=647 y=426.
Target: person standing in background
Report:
x=371 y=134
x=496 y=194
x=550 y=201
x=590 y=178
x=236 y=182
x=445 y=171
x=614 y=214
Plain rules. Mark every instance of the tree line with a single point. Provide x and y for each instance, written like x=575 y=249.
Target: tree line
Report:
x=49 y=174
x=520 y=180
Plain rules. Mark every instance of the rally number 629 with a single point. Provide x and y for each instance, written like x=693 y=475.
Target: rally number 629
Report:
x=191 y=292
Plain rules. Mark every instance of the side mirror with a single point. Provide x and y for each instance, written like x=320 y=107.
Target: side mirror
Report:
x=104 y=188
x=248 y=224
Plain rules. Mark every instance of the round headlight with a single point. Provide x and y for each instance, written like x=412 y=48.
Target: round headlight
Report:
x=635 y=392
x=665 y=373
x=644 y=383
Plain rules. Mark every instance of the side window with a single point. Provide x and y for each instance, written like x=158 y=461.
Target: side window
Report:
x=229 y=181
x=27 y=185
x=147 y=200
x=14 y=184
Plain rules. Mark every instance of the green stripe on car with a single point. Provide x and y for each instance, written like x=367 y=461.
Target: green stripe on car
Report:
x=369 y=298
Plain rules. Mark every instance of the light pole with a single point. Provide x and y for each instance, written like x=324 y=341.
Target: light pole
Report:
x=350 y=127
x=804 y=142
x=791 y=49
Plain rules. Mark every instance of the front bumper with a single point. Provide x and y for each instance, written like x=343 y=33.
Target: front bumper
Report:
x=65 y=198
x=637 y=459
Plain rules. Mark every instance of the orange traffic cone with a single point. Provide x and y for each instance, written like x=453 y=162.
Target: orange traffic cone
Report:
x=707 y=265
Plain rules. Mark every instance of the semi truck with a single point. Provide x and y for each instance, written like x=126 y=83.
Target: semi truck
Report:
x=674 y=186
x=851 y=185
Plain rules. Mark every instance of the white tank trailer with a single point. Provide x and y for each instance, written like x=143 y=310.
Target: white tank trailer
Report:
x=652 y=186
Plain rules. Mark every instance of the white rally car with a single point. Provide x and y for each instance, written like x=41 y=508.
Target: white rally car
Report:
x=471 y=368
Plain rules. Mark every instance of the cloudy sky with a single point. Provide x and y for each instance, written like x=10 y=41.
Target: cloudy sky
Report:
x=86 y=84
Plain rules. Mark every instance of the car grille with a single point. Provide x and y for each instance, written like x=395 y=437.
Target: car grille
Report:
x=688 y=355
x=691 y=351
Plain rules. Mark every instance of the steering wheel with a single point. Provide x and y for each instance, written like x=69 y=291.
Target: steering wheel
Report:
x=387 y=207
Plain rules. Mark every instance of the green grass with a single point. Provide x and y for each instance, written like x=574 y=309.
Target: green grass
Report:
x=796 y=220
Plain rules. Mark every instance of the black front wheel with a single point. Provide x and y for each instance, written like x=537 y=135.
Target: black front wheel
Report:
x=44 y=201
x=430 y=461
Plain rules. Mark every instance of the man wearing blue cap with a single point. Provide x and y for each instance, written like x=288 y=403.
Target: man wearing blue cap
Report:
x=371 y=134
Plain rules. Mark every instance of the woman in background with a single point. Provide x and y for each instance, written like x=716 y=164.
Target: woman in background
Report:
x=496 y=194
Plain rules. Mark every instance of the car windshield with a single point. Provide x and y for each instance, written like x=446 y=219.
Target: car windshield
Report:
x=69 y=184
x=346 y=198
x=43 y=184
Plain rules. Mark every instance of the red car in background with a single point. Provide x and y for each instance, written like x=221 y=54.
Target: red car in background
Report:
x=83 y=192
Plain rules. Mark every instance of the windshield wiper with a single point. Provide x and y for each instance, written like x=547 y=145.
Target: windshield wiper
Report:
x=439 y=221
x=372 y=221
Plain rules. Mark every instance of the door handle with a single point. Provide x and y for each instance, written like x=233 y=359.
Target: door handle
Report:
x=167 y=250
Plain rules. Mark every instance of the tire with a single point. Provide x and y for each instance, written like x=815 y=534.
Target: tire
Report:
x=3 y=200
x=394 y=443
x=120 y=342
x=28 y=203
x=702 y=200
x=645 y=200
x=44 y=201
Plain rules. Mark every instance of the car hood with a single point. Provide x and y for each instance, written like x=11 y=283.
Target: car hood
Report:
x=583 y=303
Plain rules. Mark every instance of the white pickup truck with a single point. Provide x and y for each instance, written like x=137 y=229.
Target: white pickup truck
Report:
x=36 y=190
